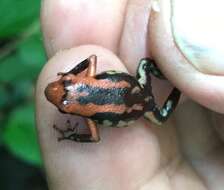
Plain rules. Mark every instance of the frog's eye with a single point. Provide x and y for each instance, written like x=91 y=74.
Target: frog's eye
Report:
x=67 y=82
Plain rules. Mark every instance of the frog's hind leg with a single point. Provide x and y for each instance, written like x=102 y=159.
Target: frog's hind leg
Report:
x=148 y=65
x=155 y=114
x=159 y=115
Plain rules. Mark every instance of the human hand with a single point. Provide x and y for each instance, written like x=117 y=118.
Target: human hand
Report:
x=186 y=153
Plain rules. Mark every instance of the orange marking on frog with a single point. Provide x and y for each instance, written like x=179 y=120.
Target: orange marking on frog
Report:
x=100 y=83
x=91 y=109
x=73 y=95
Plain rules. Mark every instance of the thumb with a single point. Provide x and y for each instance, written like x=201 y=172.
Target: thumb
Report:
x=188 y=56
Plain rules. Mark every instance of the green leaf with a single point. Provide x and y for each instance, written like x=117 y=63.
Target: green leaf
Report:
x=17 y=15
x=10 y=68
x=26 y=62
x=21 y=91
x=20 y=135
x=31 y=51
x=3 y=97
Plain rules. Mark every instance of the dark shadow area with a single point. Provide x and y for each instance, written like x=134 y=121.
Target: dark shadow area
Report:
x=18 y=175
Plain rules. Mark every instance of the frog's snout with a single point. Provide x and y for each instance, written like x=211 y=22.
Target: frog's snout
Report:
x=54 y=93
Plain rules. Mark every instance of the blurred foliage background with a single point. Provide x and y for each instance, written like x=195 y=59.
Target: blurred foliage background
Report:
x=21 y=59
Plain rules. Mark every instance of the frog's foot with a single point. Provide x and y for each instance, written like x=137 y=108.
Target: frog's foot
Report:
x=160 y=115
x=65 y=133
x=78 y=137
x=70 y=133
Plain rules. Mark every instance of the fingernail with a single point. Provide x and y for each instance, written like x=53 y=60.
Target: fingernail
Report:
x=198 y=31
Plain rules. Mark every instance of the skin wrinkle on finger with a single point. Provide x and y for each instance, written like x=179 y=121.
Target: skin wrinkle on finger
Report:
x=67 y=24
x=181 y=176
x=205 y=89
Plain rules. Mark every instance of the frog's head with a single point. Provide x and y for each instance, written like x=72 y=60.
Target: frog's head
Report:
x=55 y=92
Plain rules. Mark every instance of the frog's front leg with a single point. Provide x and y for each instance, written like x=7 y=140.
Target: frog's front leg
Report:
x=94 y=134
x=91 y=70
x=92 y=137
x=82 y=66
x=155 y=113
x=65 y=133
x=70 y=133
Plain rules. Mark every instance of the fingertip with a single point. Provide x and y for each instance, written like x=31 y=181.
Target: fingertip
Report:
x=66 y=24
x=206 y=89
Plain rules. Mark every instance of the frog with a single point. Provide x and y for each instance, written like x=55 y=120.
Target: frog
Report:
x=111 y=98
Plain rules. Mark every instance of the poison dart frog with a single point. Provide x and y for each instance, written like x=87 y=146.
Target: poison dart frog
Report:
x=110 y=98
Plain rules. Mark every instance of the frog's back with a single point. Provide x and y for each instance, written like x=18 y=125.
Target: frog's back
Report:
x=121 y=86
x=122 y=103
